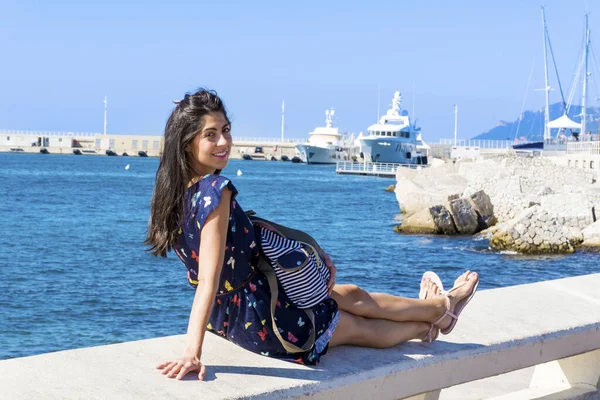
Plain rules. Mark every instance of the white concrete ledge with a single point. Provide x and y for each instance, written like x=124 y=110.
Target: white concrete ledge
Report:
x=502 y=330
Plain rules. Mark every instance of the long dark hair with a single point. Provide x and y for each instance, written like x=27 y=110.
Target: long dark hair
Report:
x=176 y=168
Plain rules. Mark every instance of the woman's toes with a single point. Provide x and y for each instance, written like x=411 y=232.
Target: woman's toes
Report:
x=423 y=288
x=462 y=278
x=431 y=289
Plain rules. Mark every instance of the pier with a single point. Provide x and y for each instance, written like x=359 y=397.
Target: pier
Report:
x=91 y=143
x=387 y=170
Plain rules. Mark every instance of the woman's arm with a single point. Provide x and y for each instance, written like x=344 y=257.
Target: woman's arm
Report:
x=211 y=254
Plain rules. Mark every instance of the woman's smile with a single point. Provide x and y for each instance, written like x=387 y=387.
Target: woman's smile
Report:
x=223 y=154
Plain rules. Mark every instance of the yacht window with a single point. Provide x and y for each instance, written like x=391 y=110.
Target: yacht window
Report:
x=591 y=165
x=389 y=133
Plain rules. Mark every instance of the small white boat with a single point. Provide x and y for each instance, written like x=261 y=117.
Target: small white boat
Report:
x=85 y=151
x=258 y=154
x=326 y=145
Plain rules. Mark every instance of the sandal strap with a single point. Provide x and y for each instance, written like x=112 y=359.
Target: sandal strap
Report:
x=429 y=337
x=447 y=313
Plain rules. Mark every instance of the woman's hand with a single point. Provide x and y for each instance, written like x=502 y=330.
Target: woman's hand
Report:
x=179 y=368
x=332 y=272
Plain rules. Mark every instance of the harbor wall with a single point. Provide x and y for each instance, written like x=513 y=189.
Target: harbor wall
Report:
x=152 y=145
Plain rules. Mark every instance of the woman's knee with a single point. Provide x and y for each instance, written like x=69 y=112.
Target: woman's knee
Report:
x=351 y=293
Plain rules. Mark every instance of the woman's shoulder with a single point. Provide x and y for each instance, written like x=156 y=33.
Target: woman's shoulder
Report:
x=214 y=181
x=213 y=185
x=206 y=194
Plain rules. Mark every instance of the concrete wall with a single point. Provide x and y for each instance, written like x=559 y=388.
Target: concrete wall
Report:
x=130 y=144
x=589 y=162
x=501 y=330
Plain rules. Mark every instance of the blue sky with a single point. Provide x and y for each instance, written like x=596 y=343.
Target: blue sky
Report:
x=60 y=58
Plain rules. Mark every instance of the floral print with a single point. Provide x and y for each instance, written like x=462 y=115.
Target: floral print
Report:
x=241 y=311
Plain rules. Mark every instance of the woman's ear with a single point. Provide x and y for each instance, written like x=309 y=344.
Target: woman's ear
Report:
x=189 y=148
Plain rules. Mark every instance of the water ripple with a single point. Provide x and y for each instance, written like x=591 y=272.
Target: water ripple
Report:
x=74 y=273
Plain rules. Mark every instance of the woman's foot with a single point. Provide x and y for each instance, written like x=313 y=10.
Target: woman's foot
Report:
x=429 y=290
x=432 y=277
x=456 y=299
x=431 y=334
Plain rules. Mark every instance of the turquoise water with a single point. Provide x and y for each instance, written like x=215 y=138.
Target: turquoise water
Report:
x=73 y=271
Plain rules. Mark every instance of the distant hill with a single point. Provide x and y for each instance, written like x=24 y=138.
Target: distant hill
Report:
x=532 y=123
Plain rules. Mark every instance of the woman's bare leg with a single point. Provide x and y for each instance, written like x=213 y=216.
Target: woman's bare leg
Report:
x=354 y=300
x=377 y=333
x=357 y=301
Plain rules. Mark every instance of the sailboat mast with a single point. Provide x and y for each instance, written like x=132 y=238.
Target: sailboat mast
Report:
x=378 y=97
x=585 y=76
x=105 y=105
x=546 y=86
x=455 y=122
x=282 y=118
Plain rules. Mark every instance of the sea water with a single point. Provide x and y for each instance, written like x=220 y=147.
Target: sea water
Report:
x=74 y=271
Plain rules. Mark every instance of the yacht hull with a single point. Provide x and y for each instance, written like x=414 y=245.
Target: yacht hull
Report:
x=390 y=150
x=317 y=155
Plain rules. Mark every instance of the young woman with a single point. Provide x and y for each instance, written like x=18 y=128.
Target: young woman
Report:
x=195 y=213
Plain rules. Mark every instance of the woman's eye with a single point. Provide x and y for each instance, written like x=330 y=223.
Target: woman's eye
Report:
x=227 y=130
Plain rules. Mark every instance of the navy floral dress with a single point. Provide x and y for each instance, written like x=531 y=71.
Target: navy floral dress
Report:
x=241 y=311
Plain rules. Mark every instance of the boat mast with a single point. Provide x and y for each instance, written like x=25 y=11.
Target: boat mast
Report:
x=546 y=86
x=105 y=104
x=585 y=76
x=455 y=122
x=378 y=97
x=282 y=118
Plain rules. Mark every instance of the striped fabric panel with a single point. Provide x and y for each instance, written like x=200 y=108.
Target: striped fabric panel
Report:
x=305 y=287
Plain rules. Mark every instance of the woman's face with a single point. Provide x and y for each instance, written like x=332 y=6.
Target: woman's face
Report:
x=211 y=146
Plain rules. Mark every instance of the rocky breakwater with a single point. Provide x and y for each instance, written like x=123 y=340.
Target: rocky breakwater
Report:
x=459 y=215
x=539 y=206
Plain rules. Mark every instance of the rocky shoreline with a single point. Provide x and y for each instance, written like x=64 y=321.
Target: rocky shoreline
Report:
x=526 y=205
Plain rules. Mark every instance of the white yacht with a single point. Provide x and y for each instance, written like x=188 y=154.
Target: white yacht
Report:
x=394 y=139
x=325 y=145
